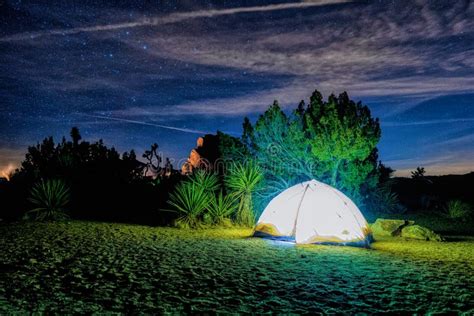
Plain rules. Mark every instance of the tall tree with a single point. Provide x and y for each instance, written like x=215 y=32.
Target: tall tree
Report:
x=343 y=136
x=76 y=136
x=280 y=145
x=333 y=141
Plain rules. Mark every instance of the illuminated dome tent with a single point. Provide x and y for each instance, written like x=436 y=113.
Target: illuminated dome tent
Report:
x=314 y=212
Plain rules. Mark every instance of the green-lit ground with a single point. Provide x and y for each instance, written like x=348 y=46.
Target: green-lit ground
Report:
x=89 y=267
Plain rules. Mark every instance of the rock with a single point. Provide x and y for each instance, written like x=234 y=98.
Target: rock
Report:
x=204 y=155
x=419 y=232
x=194 y=159
x=389 y=227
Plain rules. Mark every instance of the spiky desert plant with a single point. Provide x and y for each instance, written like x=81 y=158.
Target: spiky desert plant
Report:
x=243 y=180
x=190 y=201
x=221 y=207
x=387 y=200
x=50 y=198
x=457 y=209
x=205 y=180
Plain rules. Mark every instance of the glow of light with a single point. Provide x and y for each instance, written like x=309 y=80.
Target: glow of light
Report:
x=313 y=212
x=6 y=171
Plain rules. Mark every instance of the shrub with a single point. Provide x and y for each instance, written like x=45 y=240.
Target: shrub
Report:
x=50 y=198
x=243 y=180
x=221 y=207
x=457 y=209
x=384 y=201
x=205 y=180
x=389 y=200
x=190 y=201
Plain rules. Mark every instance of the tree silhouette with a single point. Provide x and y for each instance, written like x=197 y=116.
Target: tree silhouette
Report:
x=104 y=184
x=153 y=160
x=76 y=136
x=419 y=173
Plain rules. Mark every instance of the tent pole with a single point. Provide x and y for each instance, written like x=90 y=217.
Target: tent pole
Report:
x=293 y=233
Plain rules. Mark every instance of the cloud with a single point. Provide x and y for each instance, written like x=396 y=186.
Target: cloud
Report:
x=300 y=89
x=169 y=19
x=213 y=66
x=360 y=41
x=368 y=50
x=431 y=122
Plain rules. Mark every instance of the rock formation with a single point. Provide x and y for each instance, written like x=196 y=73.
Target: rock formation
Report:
x=203 y=155
x=383 y=228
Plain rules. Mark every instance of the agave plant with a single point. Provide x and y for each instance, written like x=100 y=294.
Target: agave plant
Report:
x=190 y=201
x=243 y=180
x=205 y=180
x=457 y=209
x=221 y=207
x=50 y=198
x=383 y=201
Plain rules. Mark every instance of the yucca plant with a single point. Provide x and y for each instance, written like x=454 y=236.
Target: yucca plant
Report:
x=205 y=180
x=221 y=207
x=243 y=180
x=457 y=209
x=190 y=201
x=387 y=200
x=50 y=198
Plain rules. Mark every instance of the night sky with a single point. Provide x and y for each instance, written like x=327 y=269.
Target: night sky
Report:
x=134 y=73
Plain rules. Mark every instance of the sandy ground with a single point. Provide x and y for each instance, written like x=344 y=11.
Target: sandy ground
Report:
x=98 y=267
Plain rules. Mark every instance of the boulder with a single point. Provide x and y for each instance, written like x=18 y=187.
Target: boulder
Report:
x=204 y=155
x=389 y=227
x=419 y=232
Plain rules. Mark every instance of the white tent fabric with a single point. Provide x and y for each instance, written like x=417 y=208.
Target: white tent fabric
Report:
x=314 y=212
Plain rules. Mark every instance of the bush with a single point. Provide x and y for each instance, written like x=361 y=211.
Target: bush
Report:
x=384 y=201
x=457 y=209
x=205 y=180
x=190 y=201
x=50 y=198
x=221 y=207
x=244 y=180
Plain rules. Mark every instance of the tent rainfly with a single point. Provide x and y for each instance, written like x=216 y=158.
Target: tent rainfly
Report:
x=314 y=212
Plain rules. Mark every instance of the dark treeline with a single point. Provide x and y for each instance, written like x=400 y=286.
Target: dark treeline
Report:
x=103 y=184
x=433 y=192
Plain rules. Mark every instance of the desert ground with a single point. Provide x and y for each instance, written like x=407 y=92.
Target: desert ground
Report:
x=107 y=267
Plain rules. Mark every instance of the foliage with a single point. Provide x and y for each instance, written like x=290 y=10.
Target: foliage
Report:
x=231 y=148
x=457 y=209
x=343 y=136
x=333 y=141
x=190 y=201
x=278 y=144
x=70 y=159
x=419 y=173
x=222 y=207
x=208 y=181
x=104 y=184
x=50 y=198
x=384 y=201
x=385 y=173
x=243 y=180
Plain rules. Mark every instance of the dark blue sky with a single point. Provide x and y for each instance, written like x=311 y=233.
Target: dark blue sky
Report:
x=201 y=68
